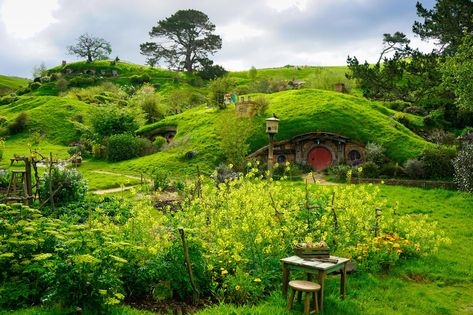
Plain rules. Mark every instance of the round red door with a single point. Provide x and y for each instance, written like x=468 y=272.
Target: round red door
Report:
x=319 y=158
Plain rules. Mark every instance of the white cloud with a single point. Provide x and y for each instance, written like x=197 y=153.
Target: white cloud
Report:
x=282 y=5
x=238 y=31
x=25 y=18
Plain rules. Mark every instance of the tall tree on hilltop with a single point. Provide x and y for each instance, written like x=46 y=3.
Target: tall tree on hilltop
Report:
x=93 y=48
x=446 y=23
x=184 y=40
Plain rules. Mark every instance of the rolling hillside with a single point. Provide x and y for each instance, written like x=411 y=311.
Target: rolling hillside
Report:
x=55 y=118
x=9 y=84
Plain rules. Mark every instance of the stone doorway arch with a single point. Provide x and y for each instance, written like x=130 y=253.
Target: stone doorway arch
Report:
x=319 y=158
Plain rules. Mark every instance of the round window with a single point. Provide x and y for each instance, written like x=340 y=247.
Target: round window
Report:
x=354 y=156
x=281 y=159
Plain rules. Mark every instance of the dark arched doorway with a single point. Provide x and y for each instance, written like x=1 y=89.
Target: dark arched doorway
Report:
x=319 y=158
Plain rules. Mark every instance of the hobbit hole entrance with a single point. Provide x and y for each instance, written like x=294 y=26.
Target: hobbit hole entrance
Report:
x=319 y=158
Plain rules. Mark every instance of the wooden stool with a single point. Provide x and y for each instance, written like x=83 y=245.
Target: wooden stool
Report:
x=307 y=287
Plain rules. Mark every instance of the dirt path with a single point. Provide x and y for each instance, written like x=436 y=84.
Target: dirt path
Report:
x=318 y=177
x=112 y=190
x=118 y=174
x=117 y=189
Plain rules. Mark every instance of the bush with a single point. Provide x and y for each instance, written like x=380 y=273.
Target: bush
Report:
x=34 y=85
x=159 y=142
x=140 y=79
x=391 y=169
x=414 y=168
x=218 y=88
x=340 y=171
x=261 y=105
x=122 y=147
x=181 y=99
x=18 y=124
x=4 y=178
x=23 y=90
x=161 y=179
x=111 y=119
x=49 y=261
x=8 y=99
x=438 y=161
x=68 y=183
x=375 y=153
x=397 y=105
x=212 y=72
x=463 y=167
x=82 y=81
x=370 y=170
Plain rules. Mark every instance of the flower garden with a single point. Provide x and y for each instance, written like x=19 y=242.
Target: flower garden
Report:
x=236 y=233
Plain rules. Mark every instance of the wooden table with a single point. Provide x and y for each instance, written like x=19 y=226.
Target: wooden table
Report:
x=311 y=266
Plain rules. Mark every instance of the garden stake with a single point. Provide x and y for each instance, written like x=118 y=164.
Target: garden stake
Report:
x=51 y=195
x=377 y=216
x=335 y=221
x=195 y=295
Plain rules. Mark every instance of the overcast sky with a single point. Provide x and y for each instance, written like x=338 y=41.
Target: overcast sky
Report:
x=260 y=33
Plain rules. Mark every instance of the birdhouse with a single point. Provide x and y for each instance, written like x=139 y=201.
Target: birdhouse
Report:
x=272 y=125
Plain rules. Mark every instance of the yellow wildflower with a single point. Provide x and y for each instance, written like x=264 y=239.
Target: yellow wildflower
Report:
x=257 y=280
x=237 y=288
x=224 y=272
x=396 y=245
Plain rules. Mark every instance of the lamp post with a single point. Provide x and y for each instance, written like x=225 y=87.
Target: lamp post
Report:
x=271 y=129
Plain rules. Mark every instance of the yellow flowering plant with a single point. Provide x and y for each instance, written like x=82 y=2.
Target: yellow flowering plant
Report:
x=250 y=223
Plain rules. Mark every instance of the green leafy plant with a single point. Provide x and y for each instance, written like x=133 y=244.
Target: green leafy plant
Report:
x=122 y=147
x=68 y=184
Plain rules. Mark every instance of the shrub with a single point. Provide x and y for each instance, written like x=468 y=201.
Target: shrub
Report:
x=49 y=261
x=111 y=119
x=391 y=169
x=252 y=73
x=161 y=179
x=463 y=167
x=122 y=147
x=23 y=90
x=34 y=85
x=218 y=88
x=181 y=99
x=211 y=72
x=68 y=183
x=159 y=142
x=340 y=171
x=370 y=170
x=438 y=161
x=139 y=79
x=4 y=178
x=234 y=132
x=375 y=153
x=414 y=168
x=398 y=105
x=261 y=105
x=150 y=103
x=8 y=99
x=82 y=81
x=18 y=124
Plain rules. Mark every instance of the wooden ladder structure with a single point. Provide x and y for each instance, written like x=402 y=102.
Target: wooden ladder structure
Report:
x=18 y=188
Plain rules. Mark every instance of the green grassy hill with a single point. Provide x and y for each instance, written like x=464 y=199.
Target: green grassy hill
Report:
x=300 y=111
x=9 y=84
x=53 y=117
x=125 y=74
